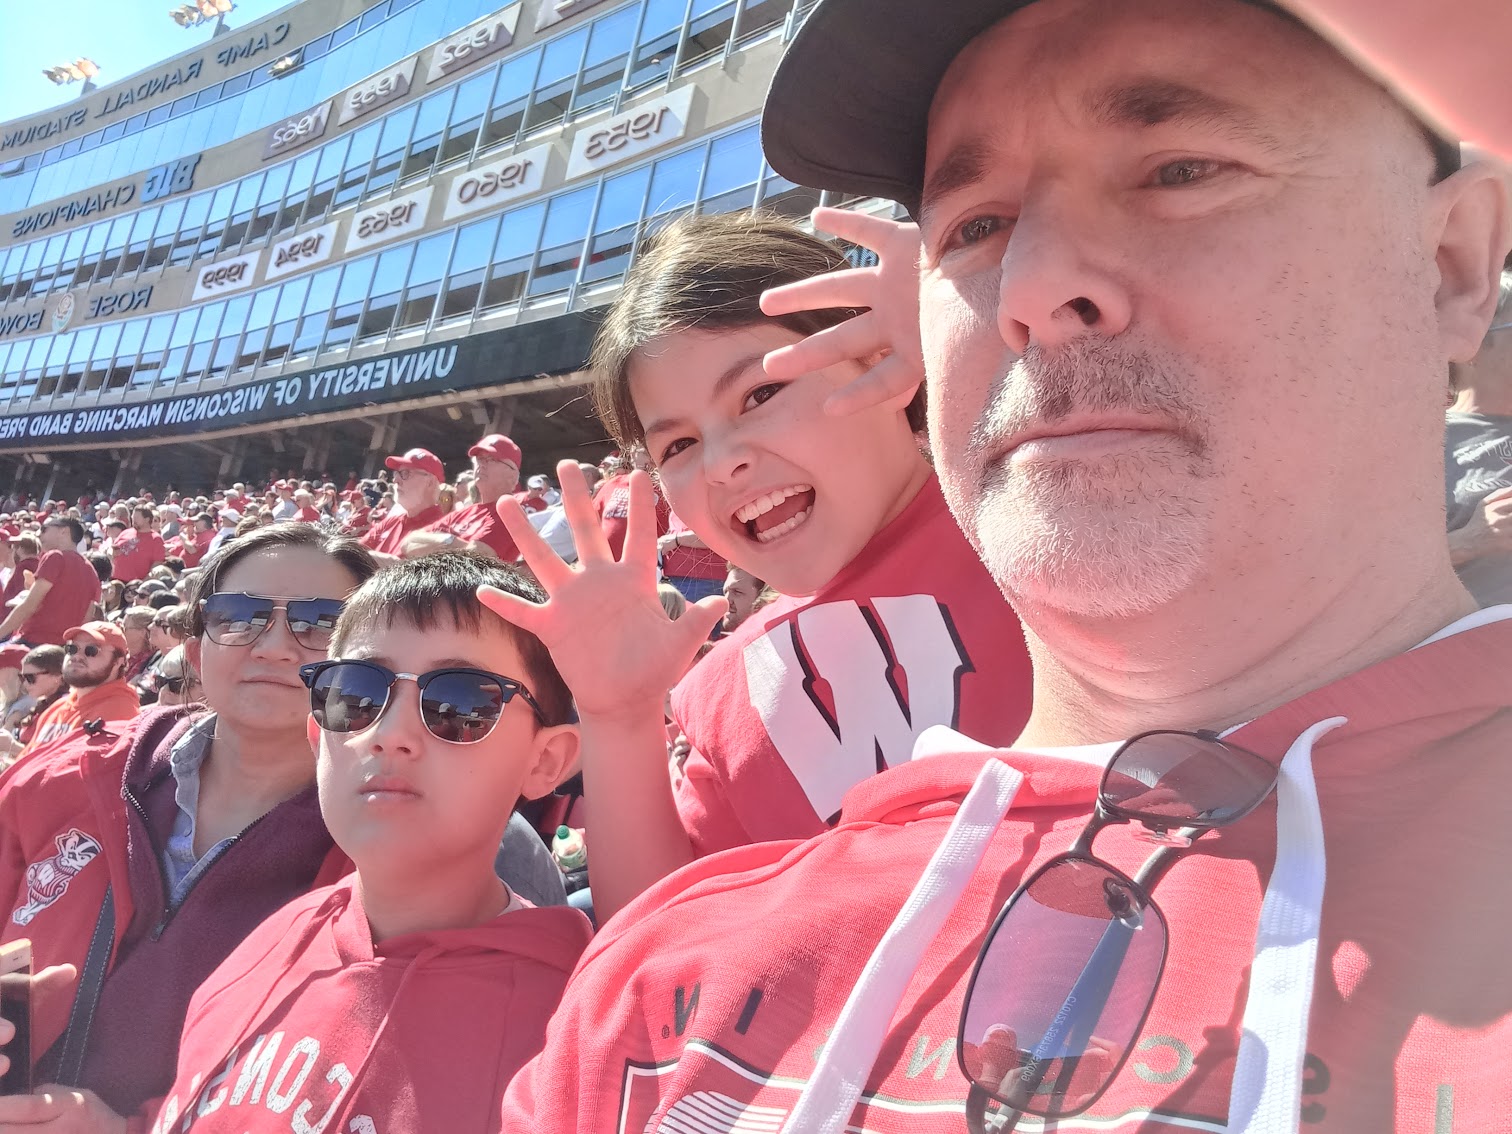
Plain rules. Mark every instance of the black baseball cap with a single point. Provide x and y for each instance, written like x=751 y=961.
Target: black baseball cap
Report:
x=848 y=109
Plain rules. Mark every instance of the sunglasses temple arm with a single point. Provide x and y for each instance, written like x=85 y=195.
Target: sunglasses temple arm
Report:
x=1071 y=1029
x=977 y=1102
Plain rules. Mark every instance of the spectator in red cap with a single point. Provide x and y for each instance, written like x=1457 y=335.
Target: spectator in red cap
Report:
x=533 y=499
x=61 y=594
x=94 y=670
x=21 y=552
x=477 y=527
x=287 y=508
x=417 y=486
x=138 y=549
x=306 y=511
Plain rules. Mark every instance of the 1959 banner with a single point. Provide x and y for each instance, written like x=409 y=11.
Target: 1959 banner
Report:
x=552 y=346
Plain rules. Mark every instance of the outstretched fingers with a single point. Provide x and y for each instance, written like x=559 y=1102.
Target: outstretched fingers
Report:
x=893 y=380
x=859 y=337
x=640 y=526
x=577 y=503
x=528 y=616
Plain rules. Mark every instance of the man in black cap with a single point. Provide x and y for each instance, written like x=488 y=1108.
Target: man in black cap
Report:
x=1190 y=283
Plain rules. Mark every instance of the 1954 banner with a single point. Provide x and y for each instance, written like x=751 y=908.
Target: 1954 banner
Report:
x=552 y=346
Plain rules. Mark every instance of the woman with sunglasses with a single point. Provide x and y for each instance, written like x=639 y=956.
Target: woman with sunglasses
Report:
x=204 y=820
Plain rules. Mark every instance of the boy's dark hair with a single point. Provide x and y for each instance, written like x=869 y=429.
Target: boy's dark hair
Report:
x=442 y=589
x=206 y=581
x=102 y=565
x=163 y=600
x=26 y=546
x=174 y=564
x=75 y=529
x=707 y=273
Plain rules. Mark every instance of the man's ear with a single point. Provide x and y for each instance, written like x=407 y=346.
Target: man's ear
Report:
x=555 y=754
x=192 y=653
x=1472 y=233
x=312 y=734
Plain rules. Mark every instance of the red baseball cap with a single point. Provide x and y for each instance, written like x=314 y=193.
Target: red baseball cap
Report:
x=104 y=633
x=422 y=459
x=12 y=654
x=499 y=447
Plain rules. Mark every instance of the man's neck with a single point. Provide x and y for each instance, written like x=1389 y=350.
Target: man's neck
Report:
x=401 y=903
x=1219 y=657
x=1493 y=401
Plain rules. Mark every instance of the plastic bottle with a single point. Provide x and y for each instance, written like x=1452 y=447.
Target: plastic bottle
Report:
x=569 y=850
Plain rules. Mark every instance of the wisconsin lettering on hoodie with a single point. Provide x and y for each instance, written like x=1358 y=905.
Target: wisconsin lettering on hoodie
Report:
x=308 y=1027
x=1336 y=961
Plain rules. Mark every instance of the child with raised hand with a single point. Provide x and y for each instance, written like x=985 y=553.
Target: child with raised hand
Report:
x=406 y=996
x=891 y=623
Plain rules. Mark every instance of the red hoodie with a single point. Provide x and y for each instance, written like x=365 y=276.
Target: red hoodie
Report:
x=720 y=991
x=94 y=810
x=307 y=1019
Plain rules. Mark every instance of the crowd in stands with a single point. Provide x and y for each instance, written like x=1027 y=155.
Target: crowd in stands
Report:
x=809 y=764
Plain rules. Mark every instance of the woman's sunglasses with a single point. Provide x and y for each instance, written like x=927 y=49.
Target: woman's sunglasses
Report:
x=31 y=678
x=234 y=618
x=174 y=685
x=458 y=705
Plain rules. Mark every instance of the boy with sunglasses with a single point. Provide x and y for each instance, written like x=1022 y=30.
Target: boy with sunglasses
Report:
x=406 y=996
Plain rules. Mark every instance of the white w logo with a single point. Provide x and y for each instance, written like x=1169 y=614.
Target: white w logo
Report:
x=860 y=656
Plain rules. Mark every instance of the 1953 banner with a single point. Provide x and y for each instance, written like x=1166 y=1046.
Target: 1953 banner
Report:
x=552 y=346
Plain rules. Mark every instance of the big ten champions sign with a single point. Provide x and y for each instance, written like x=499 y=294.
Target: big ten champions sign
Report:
x=646 y=127
x=497 y=183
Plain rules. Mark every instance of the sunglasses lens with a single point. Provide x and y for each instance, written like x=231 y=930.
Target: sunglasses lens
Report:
x=313 y=621
x=348 y=696
x=1177 y=779
x=461 y=707
x=1062 y=989
x=236 y=619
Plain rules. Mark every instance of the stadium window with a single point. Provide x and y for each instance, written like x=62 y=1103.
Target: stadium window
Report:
x=562 y=242
x=32 y=355
x=140 y=239
x=616 y=225
x=674 y=182
x=121 y=366
x=7 y=375
x=327 y=174
x=359 y=159
x=301 y=177
x=154 y=344
x=423 y=282
x=161 y=241
x=519 y=232
x=229 y=336
x=466 y=117
x=291 y=299
x=709 y=31
x=434 y=113
x=115 y=247
x=388 y=284
x=561 y=63
x=733 y=168
x=78 y=360
x=269 y=199
x=316 y=314
x=464 y=280
x=511 y=95
x=200 y=347
x=397 y=128
x=215 y=224
x=609 y=43
x=259 y=318
x=356 y=280
x=247 y=191
x=177 y=353
x=661 y=28
x=52 y=368
x=73 y=250
x=186 y=242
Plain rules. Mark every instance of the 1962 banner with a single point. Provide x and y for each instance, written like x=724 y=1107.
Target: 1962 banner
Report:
x=552 y=346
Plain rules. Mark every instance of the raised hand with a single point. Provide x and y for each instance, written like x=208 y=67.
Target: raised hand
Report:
x=890 y=328
x=605 y=627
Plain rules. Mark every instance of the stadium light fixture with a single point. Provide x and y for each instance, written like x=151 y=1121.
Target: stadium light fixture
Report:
x=195 y=14
x=79 y=71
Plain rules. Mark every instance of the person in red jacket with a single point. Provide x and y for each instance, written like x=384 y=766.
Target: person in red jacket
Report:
x=197 y=825
x=1137 y=221
x=418 y=474
x=477 y=527
x=892 y=623
x=413 y=990
x=95 y=664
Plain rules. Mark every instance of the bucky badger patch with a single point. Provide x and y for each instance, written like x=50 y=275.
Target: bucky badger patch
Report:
x=48 y=880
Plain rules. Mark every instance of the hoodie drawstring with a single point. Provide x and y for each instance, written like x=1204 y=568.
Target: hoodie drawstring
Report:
x=1266 y=1094
x=830 y=1097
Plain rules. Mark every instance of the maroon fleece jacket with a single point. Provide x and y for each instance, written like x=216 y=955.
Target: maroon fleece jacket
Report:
x=168 y=951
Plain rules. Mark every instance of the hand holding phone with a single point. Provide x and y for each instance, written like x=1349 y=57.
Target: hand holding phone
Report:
x=15 y=1017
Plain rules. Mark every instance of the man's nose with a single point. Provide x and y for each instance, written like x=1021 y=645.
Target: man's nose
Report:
x=1057 y=279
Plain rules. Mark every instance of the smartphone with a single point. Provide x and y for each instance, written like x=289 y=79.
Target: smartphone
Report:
x=15 y=1006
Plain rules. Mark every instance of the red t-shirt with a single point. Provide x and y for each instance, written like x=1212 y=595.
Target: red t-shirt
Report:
x=308 y=515
x=612 y=501
x=191 y=547
x=531 y=503
x=721 y=986
x=479 y=523
x=388 y=534
x=136 y=553
x=811 y=696
x=74 y=587
x=691 y=562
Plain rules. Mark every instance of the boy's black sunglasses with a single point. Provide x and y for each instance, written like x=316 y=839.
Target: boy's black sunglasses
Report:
x=458 y=704
x=1068 y=972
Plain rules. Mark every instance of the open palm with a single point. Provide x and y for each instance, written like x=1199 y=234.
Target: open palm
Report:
x=603 y=623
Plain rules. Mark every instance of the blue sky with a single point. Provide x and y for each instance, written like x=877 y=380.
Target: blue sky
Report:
x=122 y=36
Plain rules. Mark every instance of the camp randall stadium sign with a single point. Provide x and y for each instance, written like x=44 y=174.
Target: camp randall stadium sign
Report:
x=553 y=346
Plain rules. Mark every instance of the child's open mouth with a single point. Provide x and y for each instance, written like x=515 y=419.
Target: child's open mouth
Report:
x=777 y=513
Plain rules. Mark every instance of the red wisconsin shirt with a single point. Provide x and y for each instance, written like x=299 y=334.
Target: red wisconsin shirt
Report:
x=419 y=1033
x=612 y=501
x=308 y=515
x=718 y=989
x=135 y=554
x=811 y=696
x=531 y=503
x=479 y=523
x=74 y=587
x=388 y=534
x=691 y=562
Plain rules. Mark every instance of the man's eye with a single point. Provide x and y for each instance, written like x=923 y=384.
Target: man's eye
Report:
x=763 y=393
x=978 y=229
x=1187 y=171
x=674 y=448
